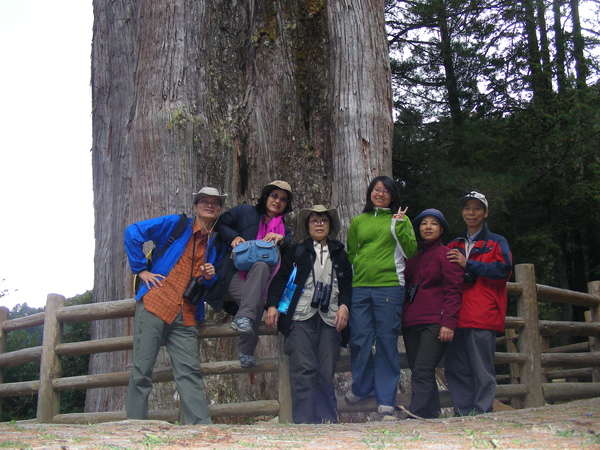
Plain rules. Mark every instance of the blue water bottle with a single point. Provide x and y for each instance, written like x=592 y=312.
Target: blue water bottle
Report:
x=288 y=293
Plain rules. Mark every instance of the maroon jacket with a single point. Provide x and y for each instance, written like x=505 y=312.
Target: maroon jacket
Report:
x=440 y=287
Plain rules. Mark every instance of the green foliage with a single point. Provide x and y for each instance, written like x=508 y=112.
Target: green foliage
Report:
x=540 y=172
x=538 y=162
x=20 y=408
x=74 y=401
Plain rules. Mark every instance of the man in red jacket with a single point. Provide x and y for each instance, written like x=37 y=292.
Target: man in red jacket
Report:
x=486 y=259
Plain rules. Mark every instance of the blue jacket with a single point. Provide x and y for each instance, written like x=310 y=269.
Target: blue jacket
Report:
x=159 y=230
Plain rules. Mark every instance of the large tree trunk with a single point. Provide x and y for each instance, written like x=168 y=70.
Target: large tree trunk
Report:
x=581 y=69
x=538 y=82
x=189 y=93
x=559 y=44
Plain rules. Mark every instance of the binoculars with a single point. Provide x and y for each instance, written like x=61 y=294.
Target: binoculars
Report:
x=321 y=297
x=194 y=291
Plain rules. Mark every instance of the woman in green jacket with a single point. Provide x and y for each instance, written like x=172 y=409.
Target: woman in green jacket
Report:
x=379 y=241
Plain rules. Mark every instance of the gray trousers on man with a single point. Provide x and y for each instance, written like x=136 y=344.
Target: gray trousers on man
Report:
x=182 y=344
x=470 y=372
x=248 y=294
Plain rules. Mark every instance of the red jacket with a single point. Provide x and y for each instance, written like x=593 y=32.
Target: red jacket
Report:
x=438 y=297
x=489 y=267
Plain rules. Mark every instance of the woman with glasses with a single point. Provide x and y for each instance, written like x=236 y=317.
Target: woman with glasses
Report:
x=317 y=315
x=379 y=241
x=249 y=289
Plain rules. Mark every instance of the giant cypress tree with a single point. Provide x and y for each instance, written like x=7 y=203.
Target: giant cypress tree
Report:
x=189 y=93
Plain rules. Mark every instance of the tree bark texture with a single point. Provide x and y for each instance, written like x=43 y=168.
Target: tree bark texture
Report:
x=230 y=94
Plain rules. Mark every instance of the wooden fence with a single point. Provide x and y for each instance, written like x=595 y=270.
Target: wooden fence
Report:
x=538 y=374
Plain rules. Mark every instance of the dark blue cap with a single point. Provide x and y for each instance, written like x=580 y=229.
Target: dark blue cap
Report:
x=435 y=213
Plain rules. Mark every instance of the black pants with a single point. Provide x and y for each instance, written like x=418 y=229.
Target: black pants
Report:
x=424 y=352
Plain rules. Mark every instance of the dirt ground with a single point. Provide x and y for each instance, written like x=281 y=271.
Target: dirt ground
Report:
x=569 y=425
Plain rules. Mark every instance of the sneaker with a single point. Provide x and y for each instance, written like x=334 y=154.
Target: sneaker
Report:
x=247 y=360
x=351 y=397
x=242 y=325
x=387 y=412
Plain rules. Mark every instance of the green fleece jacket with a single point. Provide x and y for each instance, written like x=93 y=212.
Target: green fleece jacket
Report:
x=377 y=248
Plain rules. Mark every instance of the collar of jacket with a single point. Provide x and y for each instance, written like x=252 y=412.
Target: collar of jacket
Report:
x=378 y=211
x=426 y=246
x=333 y=245
x=484 y=234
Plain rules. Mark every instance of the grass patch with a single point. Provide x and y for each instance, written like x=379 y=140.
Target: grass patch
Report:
x=13 y=444
x=151 y=440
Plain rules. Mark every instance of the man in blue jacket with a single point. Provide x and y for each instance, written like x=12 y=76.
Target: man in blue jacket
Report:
x=166 y=308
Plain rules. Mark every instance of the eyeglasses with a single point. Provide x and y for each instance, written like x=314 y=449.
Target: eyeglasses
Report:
x=274 y=196
x=214 y=203
x=318 y=222
x=381 y=191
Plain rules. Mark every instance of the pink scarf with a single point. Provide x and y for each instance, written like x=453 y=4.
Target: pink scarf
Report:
x=275 y=225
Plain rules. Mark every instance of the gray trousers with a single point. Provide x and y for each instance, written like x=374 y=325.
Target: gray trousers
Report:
x=314 y=349
x=470 y=370
x=248 y=294
x=182 y=344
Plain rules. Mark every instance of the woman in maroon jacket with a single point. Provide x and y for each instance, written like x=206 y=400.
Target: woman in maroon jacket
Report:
x=431 y=310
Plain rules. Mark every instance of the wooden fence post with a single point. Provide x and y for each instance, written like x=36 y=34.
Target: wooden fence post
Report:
x=3 y=339
x=285 y=390
x=515 y=369
x=529 y=337
x=594 y=289
x=49 y=401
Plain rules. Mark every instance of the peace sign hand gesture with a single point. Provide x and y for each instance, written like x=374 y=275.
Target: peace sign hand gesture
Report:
x=400 y=214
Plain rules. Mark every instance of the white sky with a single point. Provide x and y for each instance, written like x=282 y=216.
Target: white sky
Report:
x=47 y=217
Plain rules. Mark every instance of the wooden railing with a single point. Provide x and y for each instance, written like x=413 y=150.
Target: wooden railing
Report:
x=531 y=382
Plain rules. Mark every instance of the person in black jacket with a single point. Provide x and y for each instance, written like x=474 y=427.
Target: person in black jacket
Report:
x=317 y=315
x=248 y=289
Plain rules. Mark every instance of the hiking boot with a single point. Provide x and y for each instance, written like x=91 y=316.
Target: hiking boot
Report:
x=242 y=325
x=247 y=360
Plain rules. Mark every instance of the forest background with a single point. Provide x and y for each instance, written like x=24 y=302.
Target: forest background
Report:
x=500 y=97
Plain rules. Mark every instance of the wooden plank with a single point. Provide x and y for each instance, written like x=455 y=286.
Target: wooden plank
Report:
x=19 y=389
x=571 y=348
x=580 y=374
x=589 y=359
x=557 y=295
x=23 y=356
x=565 y=392
x=516 y=323
x=159 y=375
x=116 y=309
x=564 y=328
x=22 y=323
x=249 y=409
x=95 y=346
